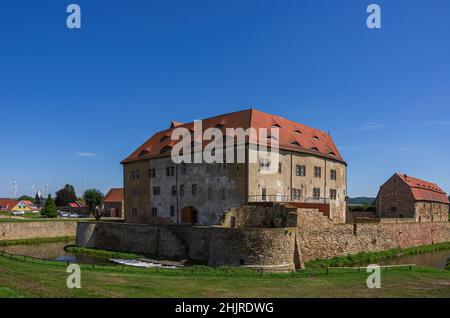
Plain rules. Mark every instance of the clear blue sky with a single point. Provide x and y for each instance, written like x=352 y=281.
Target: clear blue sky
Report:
x=75 y=102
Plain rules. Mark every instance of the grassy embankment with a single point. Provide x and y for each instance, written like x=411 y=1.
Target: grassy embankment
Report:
x=37 y=240
x=37 y=279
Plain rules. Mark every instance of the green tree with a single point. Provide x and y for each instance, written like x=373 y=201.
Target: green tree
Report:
x=50 y=209
x=26 y=198
x=94 y=200
x=66 y=195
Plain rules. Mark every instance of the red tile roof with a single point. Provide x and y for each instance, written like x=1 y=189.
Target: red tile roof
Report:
x=294 y=136
x=8 y=204
x=74 y=205
x=424 y=190
x=114 y=195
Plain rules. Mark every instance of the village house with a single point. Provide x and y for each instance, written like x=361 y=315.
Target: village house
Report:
x=311 y=173
x=113 y=203
x=403 y=196
x=10 y=205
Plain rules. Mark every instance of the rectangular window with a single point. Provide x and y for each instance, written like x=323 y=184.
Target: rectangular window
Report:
x=152 y=173
x=264 y=164
x=316 y=193
x=134 y=192
x=224 y=193
x=174 y=191
x=317 y=172
x=264 y=194
x=300 y=171
x=183 y=168
x=182 y=190
x=210 y=194
x=296 y=194
x=194 y=189
x=333 y=175
x=156 y=190
x=279 y=168
x=154 y=212
x=134 y=212
x=333 y=194
x=172 y=171
x=137 y=174
x=172 y=211
x=133 y=175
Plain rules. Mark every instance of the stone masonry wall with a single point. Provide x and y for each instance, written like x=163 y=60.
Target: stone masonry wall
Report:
x=41 y=229
x=320 y=238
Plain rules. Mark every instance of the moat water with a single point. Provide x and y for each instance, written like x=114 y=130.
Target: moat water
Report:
x=55 y=251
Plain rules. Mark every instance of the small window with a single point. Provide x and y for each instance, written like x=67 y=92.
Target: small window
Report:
x=143 y=153
x=296 y=143
x=174 y=191
x=194 y=189
x=276 y=126
x=300 y=171
x=224 y=193
x=316 y=193
x=134 y=212
x=210 y=194
x=317 y=172
x=333 y=174
x=264 y=194
x=164 y=138
x=298 y=132
x=316 y=138
x=183 y=169
x=315 y=149
x=182 y=190
x=331 y=153
x=154 y=212
x=333 y=194
x=152 y=173
x=172 y=211
x=279 y=168
x=156 y=190
x=166 y=149
x=219 y=126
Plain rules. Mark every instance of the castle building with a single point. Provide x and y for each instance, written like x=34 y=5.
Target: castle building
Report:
x=309 y=173
x=403 y=196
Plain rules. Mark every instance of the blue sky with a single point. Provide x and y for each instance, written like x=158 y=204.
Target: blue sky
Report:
x=75 y=102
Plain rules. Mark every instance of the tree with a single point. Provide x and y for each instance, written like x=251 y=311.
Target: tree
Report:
x=94 y=200
x=26 y=198
x=50 y=209
x=66 y=195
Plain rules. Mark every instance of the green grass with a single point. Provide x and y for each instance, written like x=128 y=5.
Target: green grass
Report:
x=37 y=240
x=38 y=279
x=372 y=257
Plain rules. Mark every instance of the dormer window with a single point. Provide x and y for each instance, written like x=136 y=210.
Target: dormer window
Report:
x=332 y=153
x=298 y=132
x=219 y=126
x=164 y=138
x=143 y=153
x=166 y=149
x=276 y=126
x=295 y=143
x=314 y=148
x=316 y=138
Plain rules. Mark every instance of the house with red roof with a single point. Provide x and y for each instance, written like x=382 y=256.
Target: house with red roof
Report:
x=310 y=171
x=113 y=203
x=403 y=196
x=10 y=205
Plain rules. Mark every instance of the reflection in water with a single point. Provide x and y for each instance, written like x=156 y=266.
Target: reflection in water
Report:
x=434 y=259
x=53 y=251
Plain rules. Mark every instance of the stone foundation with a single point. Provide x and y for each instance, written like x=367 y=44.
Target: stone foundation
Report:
x=38 y=229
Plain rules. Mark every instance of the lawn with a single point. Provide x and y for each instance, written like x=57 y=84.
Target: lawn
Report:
x=37 y=279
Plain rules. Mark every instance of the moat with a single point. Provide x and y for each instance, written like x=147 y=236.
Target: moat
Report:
x=55 y=251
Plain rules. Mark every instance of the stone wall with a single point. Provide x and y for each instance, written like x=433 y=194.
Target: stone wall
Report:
x=320 y=238
x=38 y=229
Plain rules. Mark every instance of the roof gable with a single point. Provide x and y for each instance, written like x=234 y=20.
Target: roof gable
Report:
x=114 y=195
x=423 y=190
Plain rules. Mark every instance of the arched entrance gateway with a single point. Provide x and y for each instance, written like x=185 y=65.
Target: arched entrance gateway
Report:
x=189 y=215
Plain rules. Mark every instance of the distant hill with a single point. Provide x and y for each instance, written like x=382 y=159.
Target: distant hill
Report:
x=361 y=200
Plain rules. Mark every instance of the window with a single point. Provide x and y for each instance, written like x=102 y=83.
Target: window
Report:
x=137 y=174
x=333 y=194
x=183 y=169
x=316 y=193
x=333 y=175
x=166 y=149
x=316 y=138
x=174 y=191
x=194 y=189
x=133 y=175
x=394 y=209
x=154 y=212
x=156 y=190
x=264 y=164
x=279 y=167
x=300 y=171
x=224 y=193
x=172 y=211
x=134 y=192
x=210 y=194
x=182 y=190
x=264 y=194
x=134 y=211
x=296 y=194
x=152 y=173
x=164 y=138
x=317 y=172
x=172 y=171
